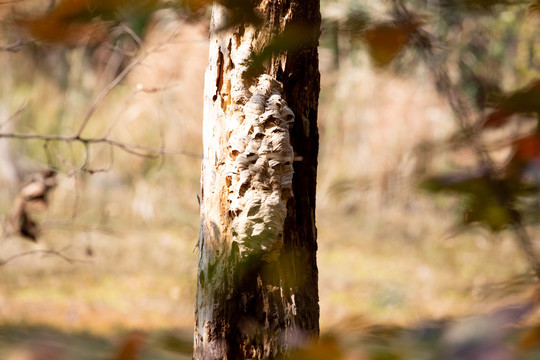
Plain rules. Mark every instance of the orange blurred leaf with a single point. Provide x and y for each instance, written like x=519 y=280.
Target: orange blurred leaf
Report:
x=534 y=8
x=497 y=118
x=386 y=40
x=131 y=346
x=64 y=32
x=326 y=349
x=195 y=5
x=530 y=339
x=527 y=147
x=526 y=151
x=79 y=22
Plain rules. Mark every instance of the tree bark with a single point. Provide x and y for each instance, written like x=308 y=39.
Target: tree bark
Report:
x=257 y=293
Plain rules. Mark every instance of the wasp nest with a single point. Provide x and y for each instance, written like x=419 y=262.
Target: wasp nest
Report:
x=259 y=168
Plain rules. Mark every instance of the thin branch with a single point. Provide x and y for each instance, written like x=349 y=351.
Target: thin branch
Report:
x=70 y=226
x=108 y=89
x=129 y=100
x=12 y=117
x=149 y=151
x=86 y=156
x=48 y=154
x=52 y=252
x=124 y=108
x=15 y=47
x=97 y=102
x=131 y=33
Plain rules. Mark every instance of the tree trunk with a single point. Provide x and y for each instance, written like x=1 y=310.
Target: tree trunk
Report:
x=257 y=294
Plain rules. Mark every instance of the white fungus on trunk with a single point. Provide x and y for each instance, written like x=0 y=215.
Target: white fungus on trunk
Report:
x=259 y=168
x=247 y=168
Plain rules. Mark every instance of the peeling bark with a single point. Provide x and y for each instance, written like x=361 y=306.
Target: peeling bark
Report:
x=257 y=294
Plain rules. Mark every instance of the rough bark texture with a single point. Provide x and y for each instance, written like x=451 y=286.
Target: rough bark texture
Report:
x=257 y=293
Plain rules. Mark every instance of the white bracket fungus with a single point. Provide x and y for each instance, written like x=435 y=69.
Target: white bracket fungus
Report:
x=259 y=168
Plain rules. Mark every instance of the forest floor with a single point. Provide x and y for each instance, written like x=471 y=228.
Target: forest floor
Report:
x=377 y=281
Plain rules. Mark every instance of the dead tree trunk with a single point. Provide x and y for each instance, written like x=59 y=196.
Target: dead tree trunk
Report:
x=257 y=293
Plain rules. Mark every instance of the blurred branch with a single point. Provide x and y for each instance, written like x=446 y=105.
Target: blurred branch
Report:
x=128 y=147
x=139 y=88
x=14 y=115
x=15 y=47
x=97 y=102
x=500 y=289
x=123 y=27
x=53 y=252
x=426 y=45
x=108 y=89
x=132 y=148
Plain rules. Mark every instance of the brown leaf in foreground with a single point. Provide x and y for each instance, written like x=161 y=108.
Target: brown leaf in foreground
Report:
x=386 y=40
x=131 y=346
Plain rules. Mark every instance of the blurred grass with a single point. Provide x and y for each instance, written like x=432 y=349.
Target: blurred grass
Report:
x=20 y=341
x=386 y=255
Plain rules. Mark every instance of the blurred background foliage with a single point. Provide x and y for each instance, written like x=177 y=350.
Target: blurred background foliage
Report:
x=432 y=95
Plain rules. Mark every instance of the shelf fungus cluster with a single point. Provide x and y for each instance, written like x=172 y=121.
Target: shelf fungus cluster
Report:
x=259 y=168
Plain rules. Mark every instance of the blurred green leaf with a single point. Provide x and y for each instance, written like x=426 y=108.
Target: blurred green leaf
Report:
x=356 y=22
x=487 y=201
x=461 y=183
x=486 y=211
x=171 y=341
x=291 y=39
x=522 y=101
x=240 y=12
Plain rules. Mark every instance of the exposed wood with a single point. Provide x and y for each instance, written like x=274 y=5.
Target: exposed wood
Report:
x=257 y=291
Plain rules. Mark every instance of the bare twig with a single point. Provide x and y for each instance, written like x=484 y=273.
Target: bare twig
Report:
x=12 y=117
x=124 y=108
x=69 y=226
x=17 y=46
x=131 y=33
x=129 y=100
x=97 y=102
x=136 y=149
x=52 y=252
x=108 y=89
